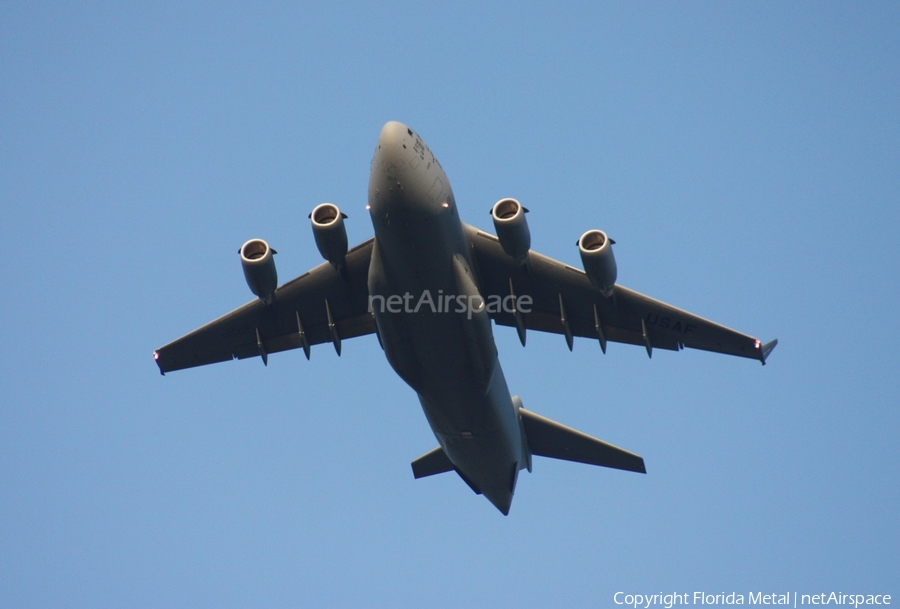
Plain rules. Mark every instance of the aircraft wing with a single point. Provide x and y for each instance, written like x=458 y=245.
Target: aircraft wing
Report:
x=321 y=306
x=565 y=302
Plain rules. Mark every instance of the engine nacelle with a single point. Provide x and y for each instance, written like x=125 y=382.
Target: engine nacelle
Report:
x=259 y=268
x=512 y=228
x=330 y=233
x=598 y=260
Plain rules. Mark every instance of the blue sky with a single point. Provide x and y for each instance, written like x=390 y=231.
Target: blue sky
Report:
x=743 y=156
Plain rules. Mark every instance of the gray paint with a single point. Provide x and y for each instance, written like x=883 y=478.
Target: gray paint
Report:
x=449 y=358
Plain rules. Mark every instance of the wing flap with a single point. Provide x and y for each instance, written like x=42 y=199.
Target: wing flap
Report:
x=358 y=325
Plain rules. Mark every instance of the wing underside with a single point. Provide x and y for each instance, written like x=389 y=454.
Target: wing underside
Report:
x=327 y=306
x=322 y=306
x=563 y=301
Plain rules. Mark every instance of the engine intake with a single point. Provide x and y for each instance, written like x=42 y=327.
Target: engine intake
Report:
x=330 y=233
x=512 y=228
x=259 y=268
x=598 y=260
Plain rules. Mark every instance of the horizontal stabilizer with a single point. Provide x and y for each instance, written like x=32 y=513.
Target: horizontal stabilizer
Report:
x=431 y=463
x=548 y=438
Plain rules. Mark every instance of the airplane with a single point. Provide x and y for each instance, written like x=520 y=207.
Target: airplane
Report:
x=429 y=286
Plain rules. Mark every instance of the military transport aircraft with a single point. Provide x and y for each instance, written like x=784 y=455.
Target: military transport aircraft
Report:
x=428 y=286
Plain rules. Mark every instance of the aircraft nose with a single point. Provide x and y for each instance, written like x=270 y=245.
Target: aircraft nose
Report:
x=390 y=177
x=393 y=135
x=405 y=177
x=393 y=147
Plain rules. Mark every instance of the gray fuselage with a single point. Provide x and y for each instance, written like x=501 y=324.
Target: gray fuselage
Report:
x=422 y=259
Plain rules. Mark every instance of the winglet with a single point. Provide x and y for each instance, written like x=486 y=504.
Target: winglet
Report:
x=765 y=350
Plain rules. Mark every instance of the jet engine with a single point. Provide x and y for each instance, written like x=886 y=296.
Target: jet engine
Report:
x=598 y=260
x=512 y=228
x=330 y=232
x=259 y=268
